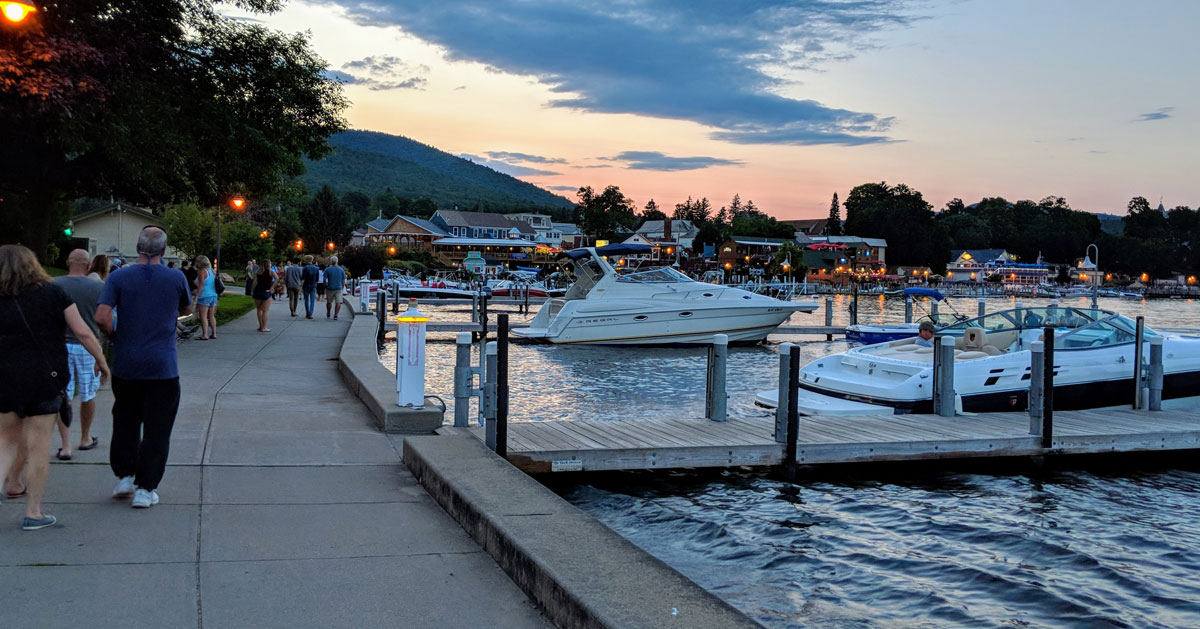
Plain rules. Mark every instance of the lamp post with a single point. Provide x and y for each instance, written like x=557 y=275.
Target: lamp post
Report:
x=238 y=203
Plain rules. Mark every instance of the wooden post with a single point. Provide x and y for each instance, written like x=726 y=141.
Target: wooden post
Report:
x=854 y=304
x=1048 y=388
x=395 y=299
x=943 y=375
x=907 y=309
x=502 y=385
x=1037 y=385
x=793 y=412
x=462 y=380
x=488 y=408
x=781 y=399
x=475 y=306
x=1156 y=373
x=982 y=306
x=1139 y=338
x=828 y=321
x=715 y=400
x=381 y=315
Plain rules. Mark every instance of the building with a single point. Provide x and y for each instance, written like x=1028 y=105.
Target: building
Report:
x=509 y=253
x=544 y=228
x=753 y=252
x=808 y=226
x=841 y=258
x=408 y=232
x=481 y=225
x=976 y=265
x=681 y=232
x=113 y=230
x=572 y=238
x=664 y=250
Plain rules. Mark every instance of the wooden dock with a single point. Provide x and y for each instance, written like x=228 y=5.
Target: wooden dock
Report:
x=581 y=445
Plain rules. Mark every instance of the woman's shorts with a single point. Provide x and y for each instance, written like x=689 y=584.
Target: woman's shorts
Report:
x=49 y=407
x=206 y=301
x=262 y=294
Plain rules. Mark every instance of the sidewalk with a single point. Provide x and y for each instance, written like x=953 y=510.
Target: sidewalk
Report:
x=282 y=506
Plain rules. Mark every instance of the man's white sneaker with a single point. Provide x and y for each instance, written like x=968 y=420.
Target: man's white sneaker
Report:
x=124 y=488
x=144 y=499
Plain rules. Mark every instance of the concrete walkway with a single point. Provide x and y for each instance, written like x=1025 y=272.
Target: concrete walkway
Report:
x=282 y=507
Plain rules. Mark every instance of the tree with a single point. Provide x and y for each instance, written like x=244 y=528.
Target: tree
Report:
x=833 y=225
x=602 y=216
x=652 y=213
x=324 y=219
x=153 y=102
x=900 y=215
x=191 y=228
x=242 y=241
x=791 y=254
x=695 y=211
x=1144 y=222
x=358 y=207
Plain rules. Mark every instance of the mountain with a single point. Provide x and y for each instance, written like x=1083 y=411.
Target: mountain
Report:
x=371 y=162
x=1112 y=224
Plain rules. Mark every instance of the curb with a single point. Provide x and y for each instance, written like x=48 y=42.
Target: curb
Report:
x=579 y=571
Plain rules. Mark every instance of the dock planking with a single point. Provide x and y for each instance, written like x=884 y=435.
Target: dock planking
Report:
x=684 y=443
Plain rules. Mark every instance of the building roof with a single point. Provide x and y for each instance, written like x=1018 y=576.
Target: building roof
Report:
x=486 y=242
x=756 y=240
x=847 y=240
x=568 y=229
x=808 y=225
x=983 y=256
x=124 y=207
x=456 y=218
x=678 y=226
x=426 y=225
x=379 y=224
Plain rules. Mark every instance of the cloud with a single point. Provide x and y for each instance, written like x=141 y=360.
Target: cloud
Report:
x=512 y=157
x=653 y=160
x=514 y=170
x=1158 y=114
x=382 y=73
x=714 y=63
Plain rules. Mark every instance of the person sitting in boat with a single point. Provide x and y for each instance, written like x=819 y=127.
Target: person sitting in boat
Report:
x=925 y=334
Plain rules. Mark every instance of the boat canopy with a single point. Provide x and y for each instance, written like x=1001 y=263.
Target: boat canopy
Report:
x=916 y=291
x=618 y=249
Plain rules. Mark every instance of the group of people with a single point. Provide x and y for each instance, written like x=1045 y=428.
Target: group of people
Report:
x=50 y=330
x=300 y=278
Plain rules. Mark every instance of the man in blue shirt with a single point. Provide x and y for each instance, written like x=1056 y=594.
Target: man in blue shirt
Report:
x=335 y=281
x=309 y=276
x=145 y=382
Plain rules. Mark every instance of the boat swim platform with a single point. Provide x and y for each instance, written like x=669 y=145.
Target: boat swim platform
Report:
x=583 y=445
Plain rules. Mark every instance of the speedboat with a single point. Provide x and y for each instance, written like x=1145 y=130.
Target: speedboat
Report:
x=650 y=306
x=406 y=286
x=881 y=333
x=1093 y=352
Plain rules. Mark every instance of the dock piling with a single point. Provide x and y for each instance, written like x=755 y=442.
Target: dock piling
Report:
x=502 y=385
x=1048 y=387
x=793 y=412
x=785 y=377
x=828 y=316
x=715 y=400
x=943 y=376
x=908 y=309
x=381 y=315
x=933 y=309
x=1037 y=385
x=463 y=376
x=1139 y=338
x=1156 y=373
x=982 y=301
x=488 y=408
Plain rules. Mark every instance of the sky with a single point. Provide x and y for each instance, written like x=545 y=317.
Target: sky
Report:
x=785 y=102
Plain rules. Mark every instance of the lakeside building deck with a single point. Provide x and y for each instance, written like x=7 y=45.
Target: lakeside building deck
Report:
x=583 y=445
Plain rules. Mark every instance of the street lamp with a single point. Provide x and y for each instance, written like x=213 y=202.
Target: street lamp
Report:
x=238 y=204
x=1096 y=261
x=16 y=12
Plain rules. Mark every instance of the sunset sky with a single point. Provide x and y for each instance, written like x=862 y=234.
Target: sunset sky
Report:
x=785 y=102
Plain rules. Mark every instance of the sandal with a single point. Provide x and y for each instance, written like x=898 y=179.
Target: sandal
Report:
x=95 y=442
x=62 y=457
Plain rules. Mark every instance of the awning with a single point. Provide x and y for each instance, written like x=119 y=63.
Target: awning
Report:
x=618 y=249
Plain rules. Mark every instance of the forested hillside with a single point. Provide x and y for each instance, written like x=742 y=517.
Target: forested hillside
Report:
x=372 y=162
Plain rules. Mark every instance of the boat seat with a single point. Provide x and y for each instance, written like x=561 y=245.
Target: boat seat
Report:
x=906 y=348
x=976 y=340
x=971 y=355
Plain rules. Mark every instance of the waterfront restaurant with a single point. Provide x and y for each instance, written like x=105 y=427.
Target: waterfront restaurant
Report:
x=507 y=252
x=976 y=265
x=408 y=232
x=749 y=251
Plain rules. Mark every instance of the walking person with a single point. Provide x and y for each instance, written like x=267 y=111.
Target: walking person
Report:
x=99 y=268
x=34 y=317
x=335 y=280
x=251 y=271
x=145 y=385
x=85 y=292
x=206 y=298
x=320 y=282
x=309 y=276
x=292 y=277
x=263 y=281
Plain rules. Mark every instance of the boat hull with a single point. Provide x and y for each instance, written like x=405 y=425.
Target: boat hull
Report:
x=637 y=324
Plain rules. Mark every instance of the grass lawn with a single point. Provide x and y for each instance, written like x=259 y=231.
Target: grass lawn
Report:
x=54 y=271
x=230 y=307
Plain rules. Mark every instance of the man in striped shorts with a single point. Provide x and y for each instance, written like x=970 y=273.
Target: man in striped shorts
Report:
x=85 y=292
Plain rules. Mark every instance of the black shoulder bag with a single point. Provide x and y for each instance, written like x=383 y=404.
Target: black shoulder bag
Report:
x=65 y=413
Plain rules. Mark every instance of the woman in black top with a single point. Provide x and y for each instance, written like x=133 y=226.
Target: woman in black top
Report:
x=34 y=316
x=264 y=279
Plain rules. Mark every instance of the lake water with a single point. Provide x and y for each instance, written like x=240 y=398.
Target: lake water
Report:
x=892 y=546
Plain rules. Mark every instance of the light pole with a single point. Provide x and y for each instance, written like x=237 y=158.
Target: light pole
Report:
x=15 y=12
x=237 y=203
x=1096 y=261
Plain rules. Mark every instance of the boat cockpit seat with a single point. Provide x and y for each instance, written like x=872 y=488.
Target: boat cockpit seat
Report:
x=976 y=340
x=911 y=347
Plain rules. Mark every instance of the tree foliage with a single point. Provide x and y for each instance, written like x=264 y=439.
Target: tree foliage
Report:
x=324 y=219
x=900 y=215
x=604 y=215
x=833 y=225
x=154 y=101
x=192 y=229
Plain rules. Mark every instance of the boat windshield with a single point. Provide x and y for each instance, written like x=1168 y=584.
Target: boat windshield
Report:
x=1064 y=320
x=658 y=274
x=1101 y=333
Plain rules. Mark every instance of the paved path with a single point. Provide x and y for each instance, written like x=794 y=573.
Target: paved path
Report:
x=282 y=507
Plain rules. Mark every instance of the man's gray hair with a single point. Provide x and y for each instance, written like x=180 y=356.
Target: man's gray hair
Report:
x=152 y=242
x=333 y=260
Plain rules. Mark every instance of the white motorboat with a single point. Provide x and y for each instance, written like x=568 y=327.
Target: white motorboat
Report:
x=406 y=286
x=654 y=306
x=1093 y=351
